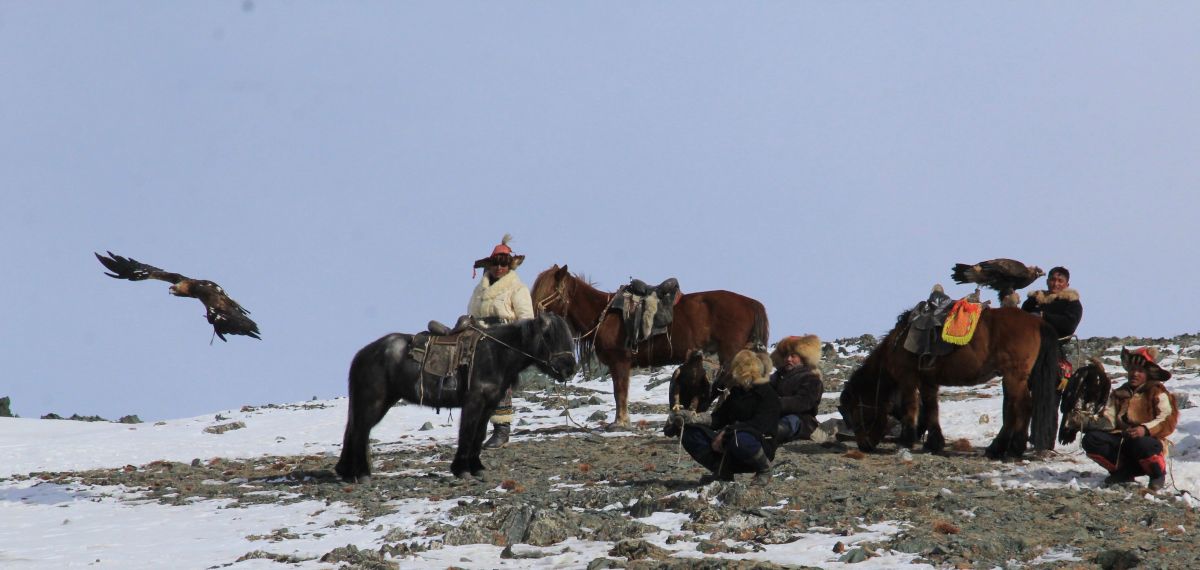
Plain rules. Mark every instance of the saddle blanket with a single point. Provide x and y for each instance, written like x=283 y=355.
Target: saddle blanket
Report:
x=960 y=323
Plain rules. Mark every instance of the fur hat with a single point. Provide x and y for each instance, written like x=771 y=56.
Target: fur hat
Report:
x=750 y=367
x=807 y=347
x=1144 y=358
x=501 y=255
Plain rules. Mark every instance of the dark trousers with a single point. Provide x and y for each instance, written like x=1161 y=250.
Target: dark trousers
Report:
x=1131 y=455
x=738 y=455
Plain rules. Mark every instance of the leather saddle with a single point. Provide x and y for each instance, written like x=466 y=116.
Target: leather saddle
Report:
x=441 y=350
x=646 y=311
x=923 y=336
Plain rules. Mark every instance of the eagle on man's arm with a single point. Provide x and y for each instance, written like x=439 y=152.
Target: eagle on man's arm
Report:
x=1003 y=275
x=224 y=314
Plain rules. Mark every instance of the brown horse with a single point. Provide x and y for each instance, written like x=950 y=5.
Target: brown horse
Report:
x=714 y=321
x=1009 y=342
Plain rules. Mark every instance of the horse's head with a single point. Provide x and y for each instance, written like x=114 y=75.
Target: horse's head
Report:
x=864 y=402
x=556 y=347
x=550 y=292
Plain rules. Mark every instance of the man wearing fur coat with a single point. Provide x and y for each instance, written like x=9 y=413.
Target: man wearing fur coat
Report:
x=1059 y=304
x=741 y=438
x=799 y=384
x=500 y=298
x=1128 y=437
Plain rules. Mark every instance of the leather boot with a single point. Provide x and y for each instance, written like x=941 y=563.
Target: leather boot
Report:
x=720 y=470
x=1123 y=474
x=783 y=433
x=499 y=437
x=1156 y=467
x=762 y=469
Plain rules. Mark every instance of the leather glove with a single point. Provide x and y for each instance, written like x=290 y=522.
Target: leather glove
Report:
x=1074 y=420
x=1137 y=431
x=688 y=417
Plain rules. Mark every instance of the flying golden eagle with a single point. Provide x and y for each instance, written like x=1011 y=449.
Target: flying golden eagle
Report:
x=1003 y=275
x=224 y=314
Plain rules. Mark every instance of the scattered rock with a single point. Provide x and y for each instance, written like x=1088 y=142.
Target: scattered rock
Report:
x=222 y=428
x=637 y=549
x=1118 y=559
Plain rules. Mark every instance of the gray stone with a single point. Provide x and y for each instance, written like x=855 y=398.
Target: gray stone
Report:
x=222 y=428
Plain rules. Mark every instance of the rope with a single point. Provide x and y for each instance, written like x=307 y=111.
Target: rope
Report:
x=502 y=343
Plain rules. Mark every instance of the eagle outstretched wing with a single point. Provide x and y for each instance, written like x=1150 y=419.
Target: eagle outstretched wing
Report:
x=134 y=270
x=1003 y=275
x=223 y=313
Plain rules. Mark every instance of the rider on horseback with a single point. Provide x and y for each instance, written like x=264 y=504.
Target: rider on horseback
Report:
x=500 y=298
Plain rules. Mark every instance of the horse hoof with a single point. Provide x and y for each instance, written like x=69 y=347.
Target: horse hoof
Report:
x=616 y=427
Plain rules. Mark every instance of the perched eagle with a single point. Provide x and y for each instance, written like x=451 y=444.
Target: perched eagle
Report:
x=224 y=314
x=1085 y=393
x=1003 y=275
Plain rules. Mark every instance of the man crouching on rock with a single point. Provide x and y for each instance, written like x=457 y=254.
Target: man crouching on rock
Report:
x=741 y=436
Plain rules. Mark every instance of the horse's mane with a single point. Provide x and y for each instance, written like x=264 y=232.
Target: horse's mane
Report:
x=585 y=349
x=871 y=367
x=903 y=318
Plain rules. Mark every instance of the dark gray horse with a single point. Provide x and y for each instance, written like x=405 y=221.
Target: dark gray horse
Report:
x=381 y=374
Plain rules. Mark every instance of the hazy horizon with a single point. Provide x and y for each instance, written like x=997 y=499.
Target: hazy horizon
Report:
x=338 y=168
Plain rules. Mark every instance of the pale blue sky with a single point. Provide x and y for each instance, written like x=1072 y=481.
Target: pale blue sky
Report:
x=338 y=166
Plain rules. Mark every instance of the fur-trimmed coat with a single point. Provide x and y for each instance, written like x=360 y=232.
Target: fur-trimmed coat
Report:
x=800 y=390
x=1062 y=310
x=1151 y=406
x=752 y=406
x=507 y=298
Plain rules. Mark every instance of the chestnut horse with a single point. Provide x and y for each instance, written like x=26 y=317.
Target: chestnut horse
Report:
x=1009 y=342
x=714 y=321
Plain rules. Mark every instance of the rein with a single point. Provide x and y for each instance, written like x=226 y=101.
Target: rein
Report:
x=530 y=356
x=560 y=294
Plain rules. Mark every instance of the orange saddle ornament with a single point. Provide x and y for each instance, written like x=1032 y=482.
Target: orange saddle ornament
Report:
x=960 y=323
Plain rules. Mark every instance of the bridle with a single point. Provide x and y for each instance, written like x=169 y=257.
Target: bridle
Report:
x=545 y=361
x=560 y=294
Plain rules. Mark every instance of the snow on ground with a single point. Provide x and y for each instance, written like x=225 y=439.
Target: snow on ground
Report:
x=46 y=525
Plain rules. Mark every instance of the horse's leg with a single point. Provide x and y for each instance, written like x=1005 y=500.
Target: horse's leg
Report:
x=908 y=418
x=476 y=463
x=471 y=423
x=1022 y=410
x=620 y=377
x=369 y=402
x=1010 y=441
x=935 y=442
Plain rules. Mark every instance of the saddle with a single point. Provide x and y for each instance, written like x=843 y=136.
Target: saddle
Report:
x=924 y=334
x=645 y=311
x=442 y=350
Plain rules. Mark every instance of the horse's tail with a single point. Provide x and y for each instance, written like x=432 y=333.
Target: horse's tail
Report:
x=760 y=332
x=1043 y=387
